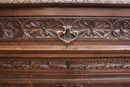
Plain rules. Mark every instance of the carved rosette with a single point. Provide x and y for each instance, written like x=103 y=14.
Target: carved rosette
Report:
x=41 y=28
x=65 y=29
x=121 y=29
x=12 y=29
x=92 y=28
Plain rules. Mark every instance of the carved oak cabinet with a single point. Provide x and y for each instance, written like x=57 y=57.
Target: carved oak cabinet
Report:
x=64 y=43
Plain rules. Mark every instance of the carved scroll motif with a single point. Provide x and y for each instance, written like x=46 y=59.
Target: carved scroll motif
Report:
x=68 y=35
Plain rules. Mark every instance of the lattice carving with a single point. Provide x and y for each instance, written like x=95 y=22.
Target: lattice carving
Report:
x=66 y=29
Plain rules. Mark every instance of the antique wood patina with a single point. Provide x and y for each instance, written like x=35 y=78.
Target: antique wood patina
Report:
x=64 y=43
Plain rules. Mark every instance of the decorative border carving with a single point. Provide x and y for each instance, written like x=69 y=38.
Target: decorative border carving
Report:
x=83 y=27
x=68 y=85
x=64 y=64
x=66 y=1
x=71 y=85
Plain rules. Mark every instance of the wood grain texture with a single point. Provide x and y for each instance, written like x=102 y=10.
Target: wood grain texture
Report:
x=65 y=11
x=33 y=55
x=64 y=3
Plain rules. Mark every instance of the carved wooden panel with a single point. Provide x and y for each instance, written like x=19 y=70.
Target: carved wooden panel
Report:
x=53 y=68
x=67 y=29
x=65 y=64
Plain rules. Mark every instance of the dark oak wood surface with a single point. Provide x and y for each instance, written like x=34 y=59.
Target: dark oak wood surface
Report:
x=65 y=11
x=34 y=51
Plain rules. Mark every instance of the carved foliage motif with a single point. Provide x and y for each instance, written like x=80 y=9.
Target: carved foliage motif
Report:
x=66 y=29
x=94 y=28
x=41 y=28
x=65 y=64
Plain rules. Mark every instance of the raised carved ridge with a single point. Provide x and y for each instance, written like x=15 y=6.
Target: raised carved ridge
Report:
x=66 y=1
x=88 y=27
x=65 y=64
x=66 y=85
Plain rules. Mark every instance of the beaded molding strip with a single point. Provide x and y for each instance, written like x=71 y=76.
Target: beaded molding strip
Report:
x=65 y=1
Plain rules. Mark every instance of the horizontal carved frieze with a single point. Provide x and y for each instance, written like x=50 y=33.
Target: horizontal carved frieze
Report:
x=65 y=64
x=41 y=85
x=66 y=29
x=66 y=85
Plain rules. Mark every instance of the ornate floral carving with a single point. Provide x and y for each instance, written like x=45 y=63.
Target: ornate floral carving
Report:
x=94 y=28
x=65 y=64
x=121 y=29
x=66 y=29
x=12 y=28
x=41 y=28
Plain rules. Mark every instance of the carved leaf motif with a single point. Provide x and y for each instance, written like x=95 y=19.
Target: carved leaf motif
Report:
x=40 y=29
x=12 y=28
x=93 y=28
